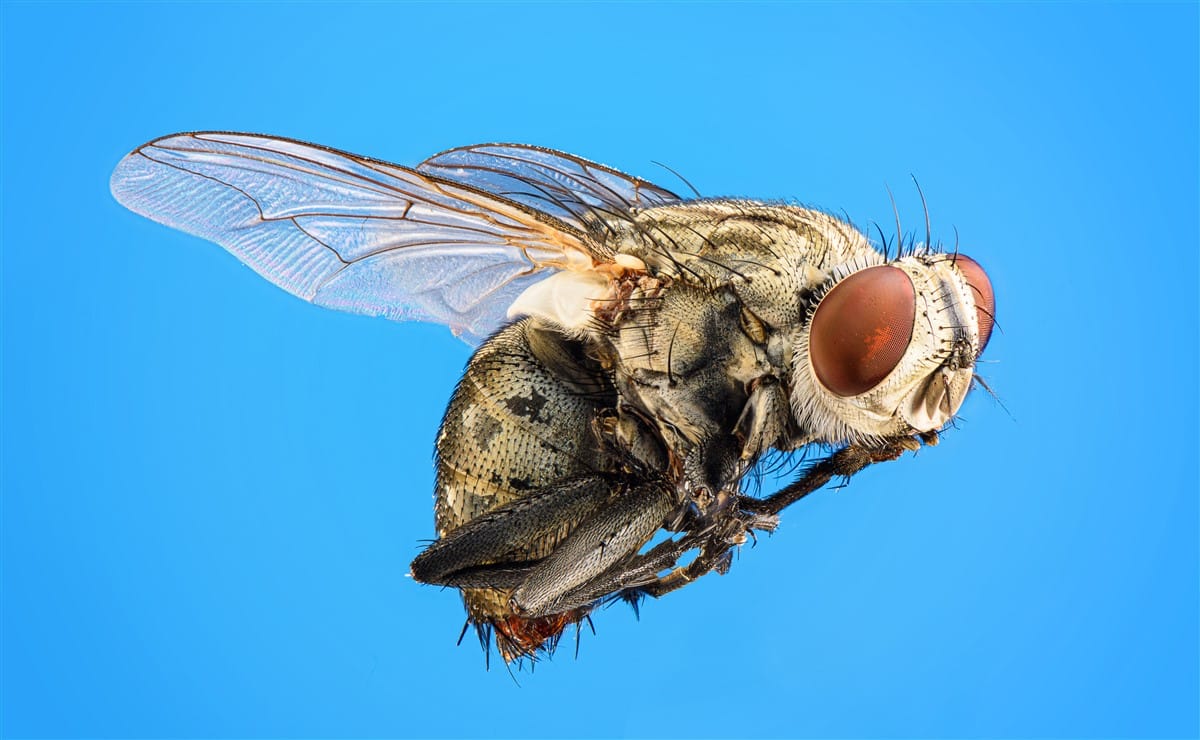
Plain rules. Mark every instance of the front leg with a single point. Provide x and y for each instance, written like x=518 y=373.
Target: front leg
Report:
x=844 y=463
x=718 y=459
x=734 y=522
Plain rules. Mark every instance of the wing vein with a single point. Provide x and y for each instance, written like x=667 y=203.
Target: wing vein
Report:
x=258 y=206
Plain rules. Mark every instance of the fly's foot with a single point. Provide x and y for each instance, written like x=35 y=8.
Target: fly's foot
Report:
x=761 y=522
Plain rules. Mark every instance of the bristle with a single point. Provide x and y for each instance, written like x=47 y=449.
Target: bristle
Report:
x=518 y=639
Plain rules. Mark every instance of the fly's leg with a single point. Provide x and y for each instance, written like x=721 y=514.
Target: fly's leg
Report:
x=490 y=545
x=639 y=575
x=607 y=539
x=609 y=519
x=599 y=559
x=715 y=543
x=844 y=463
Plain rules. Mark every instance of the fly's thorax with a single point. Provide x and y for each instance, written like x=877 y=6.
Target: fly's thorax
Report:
x=889 y=349
x=771 y=257
x=680 y=357
x=719 y=242
x=702 y=348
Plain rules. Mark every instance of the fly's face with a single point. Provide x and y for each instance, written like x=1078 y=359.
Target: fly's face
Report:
x=889 y=349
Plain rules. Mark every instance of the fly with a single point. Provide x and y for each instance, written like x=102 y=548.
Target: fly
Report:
x=638 y=353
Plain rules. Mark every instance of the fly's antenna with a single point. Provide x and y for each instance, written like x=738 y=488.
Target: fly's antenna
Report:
x=682 y=179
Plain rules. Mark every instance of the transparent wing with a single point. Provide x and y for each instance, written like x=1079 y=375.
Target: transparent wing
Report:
x=572 y=189
x=349 y=232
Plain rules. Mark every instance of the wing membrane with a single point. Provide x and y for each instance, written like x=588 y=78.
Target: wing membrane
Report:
x=567 y=187
x=350 y=232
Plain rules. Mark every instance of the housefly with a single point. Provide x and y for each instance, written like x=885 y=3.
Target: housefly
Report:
x=638 y=352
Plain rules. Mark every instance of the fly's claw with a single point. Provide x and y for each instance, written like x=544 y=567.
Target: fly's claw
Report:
x=762 y=522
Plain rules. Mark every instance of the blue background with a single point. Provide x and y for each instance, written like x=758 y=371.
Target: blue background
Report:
x=212 y=490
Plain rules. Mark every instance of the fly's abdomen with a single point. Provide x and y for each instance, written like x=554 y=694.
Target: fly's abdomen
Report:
x=520 y=422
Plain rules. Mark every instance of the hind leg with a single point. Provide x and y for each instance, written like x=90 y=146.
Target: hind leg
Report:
x=519 y=468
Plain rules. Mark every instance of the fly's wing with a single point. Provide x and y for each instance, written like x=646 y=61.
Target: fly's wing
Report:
x=574 y=190
x=353 y=233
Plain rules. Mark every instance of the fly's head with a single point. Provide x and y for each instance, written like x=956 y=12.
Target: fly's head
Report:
x=889 y=348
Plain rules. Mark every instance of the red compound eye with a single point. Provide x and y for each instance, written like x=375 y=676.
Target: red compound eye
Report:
x=861 y=329
x=981 y=290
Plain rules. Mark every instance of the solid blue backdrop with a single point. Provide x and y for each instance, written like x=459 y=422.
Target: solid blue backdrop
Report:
x=212 y=490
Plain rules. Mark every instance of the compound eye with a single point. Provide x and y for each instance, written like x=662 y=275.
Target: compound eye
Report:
x=981 y=291
x=861 y=329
